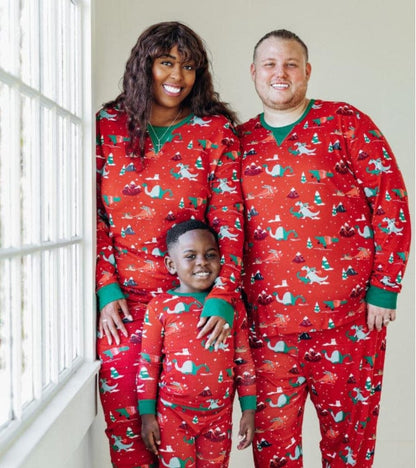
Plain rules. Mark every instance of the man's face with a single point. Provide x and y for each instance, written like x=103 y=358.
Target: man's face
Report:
x=281 y=74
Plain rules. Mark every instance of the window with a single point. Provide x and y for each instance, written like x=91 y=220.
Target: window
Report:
x=44 y=253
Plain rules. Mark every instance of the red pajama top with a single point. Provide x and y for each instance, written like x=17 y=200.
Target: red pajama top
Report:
x=328 y=223
x=195 y=174
x=175 y=366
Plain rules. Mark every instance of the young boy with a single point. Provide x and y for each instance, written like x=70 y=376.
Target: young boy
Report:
x=193 y=385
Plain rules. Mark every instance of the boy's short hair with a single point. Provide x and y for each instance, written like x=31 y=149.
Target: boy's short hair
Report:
x=177 y=230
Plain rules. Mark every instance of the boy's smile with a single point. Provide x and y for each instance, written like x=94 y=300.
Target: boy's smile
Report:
x=195 y=258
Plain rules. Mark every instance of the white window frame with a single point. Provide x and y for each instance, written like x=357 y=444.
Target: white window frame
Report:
x=60 y=417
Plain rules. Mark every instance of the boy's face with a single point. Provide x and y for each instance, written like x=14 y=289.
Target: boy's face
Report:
x=195 y=258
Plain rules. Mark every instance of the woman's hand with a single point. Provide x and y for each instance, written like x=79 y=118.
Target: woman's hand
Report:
x=377 y=317
x=218 y=329
x=110 y=321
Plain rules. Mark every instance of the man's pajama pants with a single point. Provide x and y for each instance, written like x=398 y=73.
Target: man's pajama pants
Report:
x=341 y=370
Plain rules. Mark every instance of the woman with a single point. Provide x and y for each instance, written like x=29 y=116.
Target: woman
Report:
x=166 y=152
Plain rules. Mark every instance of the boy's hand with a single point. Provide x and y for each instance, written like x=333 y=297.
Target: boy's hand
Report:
x=246 y=432
x=150 y=432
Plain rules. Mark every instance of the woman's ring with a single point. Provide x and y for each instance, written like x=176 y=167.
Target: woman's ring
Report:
x=226 y=326
x=105 y=320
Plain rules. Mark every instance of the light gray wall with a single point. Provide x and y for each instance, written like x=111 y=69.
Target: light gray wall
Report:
x=361 y=52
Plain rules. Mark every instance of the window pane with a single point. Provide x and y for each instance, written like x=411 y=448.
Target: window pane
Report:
x=48 y=46
x=5 y=343
x=4 y=164
x=29 y=284
x=29 y=43
x=29 y=171
x=48 y=174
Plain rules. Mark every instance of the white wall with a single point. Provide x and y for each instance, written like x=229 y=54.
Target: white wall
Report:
x=361 y=52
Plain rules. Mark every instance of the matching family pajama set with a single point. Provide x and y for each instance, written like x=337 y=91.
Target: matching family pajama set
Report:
x=192 y=388
x=196 y=174
x=327 y=230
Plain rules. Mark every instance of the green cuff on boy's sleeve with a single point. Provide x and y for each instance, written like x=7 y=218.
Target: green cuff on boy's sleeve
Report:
x=248 y=402
x=147 y=406
x=218 y=308
x=381 y=297
x=111 y=292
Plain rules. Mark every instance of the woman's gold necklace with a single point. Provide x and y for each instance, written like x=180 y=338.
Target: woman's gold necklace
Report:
x=159 y=140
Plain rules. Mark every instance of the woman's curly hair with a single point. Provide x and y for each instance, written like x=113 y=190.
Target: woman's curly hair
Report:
x=137 y=96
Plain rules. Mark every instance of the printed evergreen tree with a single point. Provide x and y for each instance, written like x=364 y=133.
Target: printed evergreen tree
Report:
x=114 y=373
x=367 y=384
x=303 y=179
x=306 y=125
x=387 y=196
x=110 y=220
x=331 y=324
x=123 y=170
x=334 y=210
x=232 y=278
x=318 y=199
x=399 y=277
x=309 y=244
x=110 y=160
x=195 y=419
x=113 y=419
x=402 y=216
x=366 y=139
x=391 y=258
x=315 y=139
x=198 y=162
x=325 y=264
x=181 y=203
x=344 y=274
x=220 y=377
x=130 y=434
x=317 y=309
x=234 y=177
x=237 y=224
x=330 y=148
x=386 y=154
x=190 y=144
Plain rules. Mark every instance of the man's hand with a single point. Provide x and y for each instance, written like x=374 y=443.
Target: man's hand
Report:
x=377 y=317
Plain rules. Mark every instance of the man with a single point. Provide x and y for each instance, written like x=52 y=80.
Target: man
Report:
x=327 y=241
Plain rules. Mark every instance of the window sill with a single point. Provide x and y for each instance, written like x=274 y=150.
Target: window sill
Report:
x=58 y=430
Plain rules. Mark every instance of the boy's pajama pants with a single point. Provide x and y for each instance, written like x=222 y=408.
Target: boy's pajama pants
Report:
x=194 y=439
x=341 y=370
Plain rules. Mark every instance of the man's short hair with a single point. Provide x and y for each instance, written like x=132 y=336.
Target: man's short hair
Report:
x=177 y=230
x=282 y=34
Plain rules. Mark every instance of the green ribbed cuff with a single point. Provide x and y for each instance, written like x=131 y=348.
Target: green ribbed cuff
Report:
x=381 y=297
x=248 y=402
x=218 y=308
x=147 y=406
x=111 y=292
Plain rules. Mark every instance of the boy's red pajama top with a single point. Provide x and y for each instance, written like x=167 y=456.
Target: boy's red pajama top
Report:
x=195 y=174
x=177 y=370
x=327 y=220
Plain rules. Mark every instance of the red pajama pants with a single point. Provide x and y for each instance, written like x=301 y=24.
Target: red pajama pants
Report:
x=117 y=388
x=194 y=439
x=341 y=370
